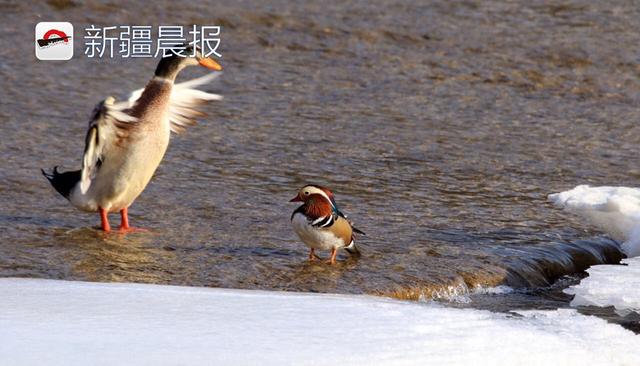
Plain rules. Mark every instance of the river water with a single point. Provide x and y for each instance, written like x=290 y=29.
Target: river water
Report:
x=440 y=126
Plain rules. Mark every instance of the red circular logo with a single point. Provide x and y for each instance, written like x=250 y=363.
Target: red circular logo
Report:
x=56 y=32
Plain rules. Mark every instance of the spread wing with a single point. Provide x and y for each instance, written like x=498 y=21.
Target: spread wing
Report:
x=108 y=122
x=184 y=101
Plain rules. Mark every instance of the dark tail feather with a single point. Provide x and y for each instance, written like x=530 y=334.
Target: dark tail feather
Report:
x=62 y=182
x=355 y=229
x=352 y=249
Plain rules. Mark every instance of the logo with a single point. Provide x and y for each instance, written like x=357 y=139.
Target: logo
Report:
x=54 y=41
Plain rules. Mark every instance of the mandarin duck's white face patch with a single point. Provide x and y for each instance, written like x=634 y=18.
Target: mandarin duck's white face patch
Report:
x=307 y=191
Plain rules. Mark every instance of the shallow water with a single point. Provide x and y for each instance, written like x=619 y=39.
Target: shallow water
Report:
x=441 y=128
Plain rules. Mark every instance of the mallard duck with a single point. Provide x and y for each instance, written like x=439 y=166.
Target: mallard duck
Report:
x=126 y=140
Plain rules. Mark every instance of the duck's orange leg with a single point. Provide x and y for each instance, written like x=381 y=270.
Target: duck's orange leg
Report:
x=124 y=222
x=124 y=219
x=312 y=255
x=104 y=219
x=334 y=254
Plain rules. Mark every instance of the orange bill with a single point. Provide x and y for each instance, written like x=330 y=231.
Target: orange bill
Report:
x=209 y=63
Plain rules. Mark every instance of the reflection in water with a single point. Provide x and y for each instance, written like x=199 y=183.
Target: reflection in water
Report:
x=96 y=256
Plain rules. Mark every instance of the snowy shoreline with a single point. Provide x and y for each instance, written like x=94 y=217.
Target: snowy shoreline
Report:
x=74 y=323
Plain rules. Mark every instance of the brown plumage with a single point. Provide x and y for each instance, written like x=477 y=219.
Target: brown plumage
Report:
x=316 y=206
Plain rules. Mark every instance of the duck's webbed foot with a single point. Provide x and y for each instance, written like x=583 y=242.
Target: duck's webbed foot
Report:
x=312 y=255
x=124 y=223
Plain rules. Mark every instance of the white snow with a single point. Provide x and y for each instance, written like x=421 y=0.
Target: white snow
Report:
x=616 y=210
x=79 y=323
x=610 y=285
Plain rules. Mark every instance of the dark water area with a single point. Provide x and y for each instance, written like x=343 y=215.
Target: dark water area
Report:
x=441 y=127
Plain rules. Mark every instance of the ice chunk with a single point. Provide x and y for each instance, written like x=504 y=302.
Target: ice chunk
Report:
x=610 y=285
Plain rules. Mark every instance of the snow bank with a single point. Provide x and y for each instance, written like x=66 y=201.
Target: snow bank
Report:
x=77 y=323
x=610 y=285
x=616 y=210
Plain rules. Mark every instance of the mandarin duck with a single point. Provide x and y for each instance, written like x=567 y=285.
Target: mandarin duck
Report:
x=321 y=225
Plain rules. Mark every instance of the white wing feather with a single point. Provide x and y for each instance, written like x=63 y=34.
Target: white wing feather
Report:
x=102 y=130
x=184 y=101
x=110 y=116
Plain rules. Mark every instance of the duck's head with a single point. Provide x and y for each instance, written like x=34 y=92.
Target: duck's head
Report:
x=169 y=67
x=311 y=191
